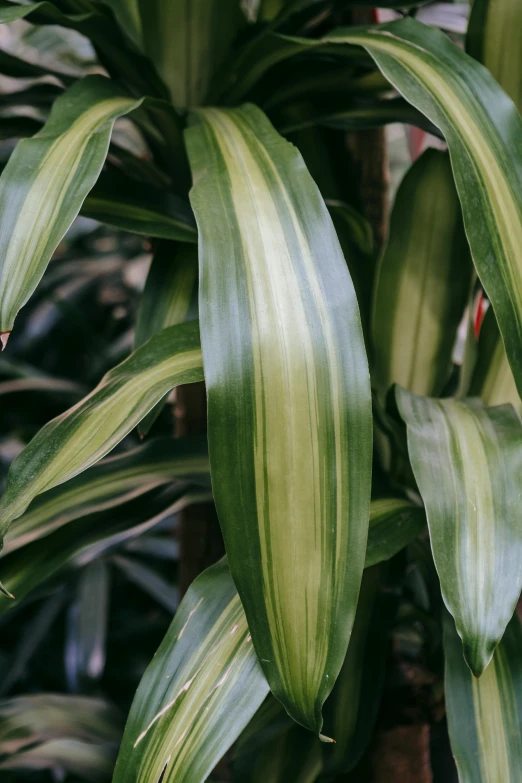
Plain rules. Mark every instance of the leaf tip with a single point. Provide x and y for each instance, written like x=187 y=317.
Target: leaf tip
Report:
x=6 y=592
x=324 y=738
x=4 y=337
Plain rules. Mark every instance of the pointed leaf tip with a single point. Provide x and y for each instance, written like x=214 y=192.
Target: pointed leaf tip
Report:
x=5 y=591
x=4 y=337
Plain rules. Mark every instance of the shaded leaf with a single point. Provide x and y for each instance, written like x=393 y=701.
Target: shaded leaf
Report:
x=394 y=523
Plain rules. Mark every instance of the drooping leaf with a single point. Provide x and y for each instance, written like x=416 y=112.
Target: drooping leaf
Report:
x=169 y=298
x=484 y=134
x=45 y=182
x=124 y=203
x=493 y=39
x=485 y=715
x=422 y=281
x=394 y=523
x=201 y=689
x=88 y=539
x=287 y=374
x=81 y=436
x=111 y=482
x=89 y=761
x=492 y=378
x=468 y=465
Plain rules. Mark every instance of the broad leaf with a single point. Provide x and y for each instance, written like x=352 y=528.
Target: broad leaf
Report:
x=484 y=134
x=201 y=689
x=45 y=182
x=485 y=715
x=422 y=283
x=169 y=298
x=394 y=523
x=492 y=379
x=81 y=436
x=287 y=375
x=468 y=465
x=124 y=203
x=494 y=39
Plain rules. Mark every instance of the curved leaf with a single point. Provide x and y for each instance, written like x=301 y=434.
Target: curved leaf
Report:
x=81 y=436
x=485 y=715
x=124 y=203
x=468 y=465
x=493 y=39
x=45 y=182
x=287 y=374
x=484 y=134
x=111 y=482
x=423 y=281
x=394 y=523
x=201 y=689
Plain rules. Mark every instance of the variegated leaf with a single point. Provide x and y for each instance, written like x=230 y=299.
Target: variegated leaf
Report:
x=201 y=689
x=81 y=436
x=45 y=182
x=288 y=400
x=467 y=462
x=484 y=133
x=423 y=281
x=485 y=715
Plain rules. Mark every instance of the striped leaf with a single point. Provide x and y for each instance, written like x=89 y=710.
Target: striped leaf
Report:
x=124 y=203
x=423 y=281
x=81 y=436
x=111 y=482
x=485 y=715
x=169 y=298
x=494 y=39
x=287 y=374
x=394 y=523
x=45 y=182
x=484 y=134
x=201 y=689
x=492 y=378
x=467 y=463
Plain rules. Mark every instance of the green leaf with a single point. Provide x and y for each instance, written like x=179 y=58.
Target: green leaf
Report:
x=169 y=298
x=484 y=134
x=287 y=374
x=485 y=715
x=468 y=465
x=111 y=482
x=17 y=68
x=201 y=689
x=423 y=281
x=492 y=378
x=124 y=203
x=88 y=539
x=81 y=436
x=493 y=39
x=152 y=583
x=394 y=523
x=45 y=182
x=351 y=710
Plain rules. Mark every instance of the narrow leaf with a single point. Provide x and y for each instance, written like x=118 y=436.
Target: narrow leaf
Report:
x=201 y=689
x=485 y=715
x=484 y=133
x=287 y=374
x=125 y=203
x=112 y=482
x=423 y=281
x=164 y=593
x=81 y=436
x=45 y=182
x=468 y=465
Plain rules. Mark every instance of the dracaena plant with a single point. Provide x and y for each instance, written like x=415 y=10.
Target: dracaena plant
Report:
x=367 y=476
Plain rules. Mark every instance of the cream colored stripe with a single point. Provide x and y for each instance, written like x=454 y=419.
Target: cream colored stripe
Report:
x=287 y=450
x=47 y=192
x=507 y=214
